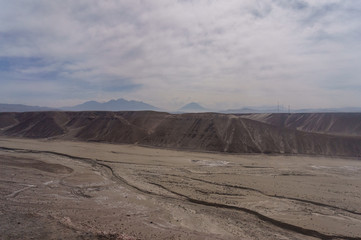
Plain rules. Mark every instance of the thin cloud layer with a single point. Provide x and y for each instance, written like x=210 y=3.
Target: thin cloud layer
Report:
x=223 y=54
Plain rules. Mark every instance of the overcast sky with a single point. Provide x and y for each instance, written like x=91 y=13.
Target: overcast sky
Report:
x=222 y=54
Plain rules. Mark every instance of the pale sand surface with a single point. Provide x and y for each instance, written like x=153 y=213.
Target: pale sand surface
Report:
x=76 y=190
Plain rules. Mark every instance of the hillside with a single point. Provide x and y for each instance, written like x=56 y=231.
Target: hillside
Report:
x=347 y=124
x=332 y=135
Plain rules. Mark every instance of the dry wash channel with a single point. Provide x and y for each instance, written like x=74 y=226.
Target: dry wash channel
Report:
x=77 y=190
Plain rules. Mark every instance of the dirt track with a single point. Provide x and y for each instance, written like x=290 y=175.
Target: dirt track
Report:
x=77 y=190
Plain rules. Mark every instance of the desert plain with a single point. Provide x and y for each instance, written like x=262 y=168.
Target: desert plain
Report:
x=61 y=189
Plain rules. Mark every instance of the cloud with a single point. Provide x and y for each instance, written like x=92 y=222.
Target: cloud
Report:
x=221 y=54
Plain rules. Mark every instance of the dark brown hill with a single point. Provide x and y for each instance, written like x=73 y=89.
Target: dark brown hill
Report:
x=37 y=124
x=348 y=124
x=323 y=134
x=7 y=119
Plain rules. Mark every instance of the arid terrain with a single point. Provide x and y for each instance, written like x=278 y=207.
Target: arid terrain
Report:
x=152 y=175
x=58 y=189
x=328 y=134
x=180 y=120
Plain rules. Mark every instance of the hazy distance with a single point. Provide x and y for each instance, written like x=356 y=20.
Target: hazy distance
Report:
x=222 y=55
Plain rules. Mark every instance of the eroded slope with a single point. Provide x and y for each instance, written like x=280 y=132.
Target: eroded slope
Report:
x=321 y=134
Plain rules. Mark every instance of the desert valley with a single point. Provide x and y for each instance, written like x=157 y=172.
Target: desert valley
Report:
x=151 y=175
x=187 y=120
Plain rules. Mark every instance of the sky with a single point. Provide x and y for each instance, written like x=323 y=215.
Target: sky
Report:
x=221 y=54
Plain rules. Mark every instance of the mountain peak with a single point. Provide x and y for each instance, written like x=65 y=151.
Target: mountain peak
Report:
x=193 y=107
x=112 y=105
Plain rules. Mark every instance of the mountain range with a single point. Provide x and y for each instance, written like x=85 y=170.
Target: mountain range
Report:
x=275 y=109
x=112 y=105
x=193 y=107
x=4 y=107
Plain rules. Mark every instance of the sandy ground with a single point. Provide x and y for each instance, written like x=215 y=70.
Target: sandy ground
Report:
x=76 y=190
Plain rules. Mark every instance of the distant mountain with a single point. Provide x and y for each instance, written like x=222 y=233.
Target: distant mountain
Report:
x=262 y=109
x=193 y=107
x=241 y=110
x=112 y=105
x=328 y=110
x=4 y=107
x=283 y=109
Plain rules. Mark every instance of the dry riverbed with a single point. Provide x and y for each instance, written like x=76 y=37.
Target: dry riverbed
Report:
x=53 y=189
